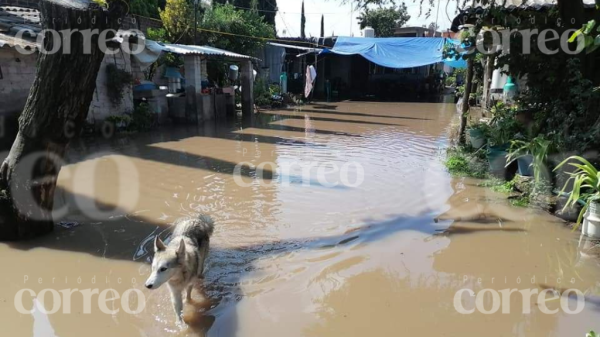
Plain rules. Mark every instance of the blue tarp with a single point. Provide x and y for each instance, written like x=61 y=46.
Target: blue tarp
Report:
x=393 y=52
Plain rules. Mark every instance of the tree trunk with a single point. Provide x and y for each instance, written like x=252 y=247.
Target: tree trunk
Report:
x=55 y=111
x=465 y=104
x=487 y=81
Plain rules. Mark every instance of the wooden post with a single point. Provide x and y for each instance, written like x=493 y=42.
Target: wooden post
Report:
x=247 y=91
x=465 y=105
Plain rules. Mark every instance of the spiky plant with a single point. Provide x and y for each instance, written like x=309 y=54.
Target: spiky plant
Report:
x=586 y=184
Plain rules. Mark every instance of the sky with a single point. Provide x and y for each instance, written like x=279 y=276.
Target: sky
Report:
x=341 y=20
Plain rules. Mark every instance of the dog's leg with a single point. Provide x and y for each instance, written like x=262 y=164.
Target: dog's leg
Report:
x=189 y=292
x=177 y=302
x=203 y=255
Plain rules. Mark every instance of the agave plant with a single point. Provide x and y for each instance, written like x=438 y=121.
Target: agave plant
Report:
x=586 y=184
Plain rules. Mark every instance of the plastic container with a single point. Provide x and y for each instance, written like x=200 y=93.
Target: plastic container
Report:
x=525 y=167
x=477 y=138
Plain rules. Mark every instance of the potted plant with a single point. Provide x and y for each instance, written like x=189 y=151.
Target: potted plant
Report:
x=586 y=186
x=478 y=134
x=503 y=129
x=531 y=156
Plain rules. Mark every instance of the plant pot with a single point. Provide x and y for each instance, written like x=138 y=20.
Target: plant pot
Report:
x=591 y=222
x=477 y=138
x=497 y=159
x=525 y=168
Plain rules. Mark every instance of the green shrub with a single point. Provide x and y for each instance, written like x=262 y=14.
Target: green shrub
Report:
x=143 y=119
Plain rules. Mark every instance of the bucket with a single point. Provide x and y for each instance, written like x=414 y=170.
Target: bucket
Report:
x=525 y=168
x=233 y=73
x=477 y=138
x=497 y=159
x=591 y=222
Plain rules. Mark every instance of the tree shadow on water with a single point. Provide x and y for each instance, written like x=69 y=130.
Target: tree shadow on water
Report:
x=130 y=238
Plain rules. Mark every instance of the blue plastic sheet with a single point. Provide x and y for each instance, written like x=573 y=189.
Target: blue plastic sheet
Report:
x=394 y=52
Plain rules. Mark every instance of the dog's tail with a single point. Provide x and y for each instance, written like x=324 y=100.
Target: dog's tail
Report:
x=205 y=225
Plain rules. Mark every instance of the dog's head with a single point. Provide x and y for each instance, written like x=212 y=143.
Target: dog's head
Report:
x=166 y=263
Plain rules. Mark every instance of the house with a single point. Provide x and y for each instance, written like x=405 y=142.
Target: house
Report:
x=18 y=56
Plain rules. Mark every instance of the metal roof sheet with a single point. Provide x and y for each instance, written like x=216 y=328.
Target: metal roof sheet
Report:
x=204 y=51
x=11 y=41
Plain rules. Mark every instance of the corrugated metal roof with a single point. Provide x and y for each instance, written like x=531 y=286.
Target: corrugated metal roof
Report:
x=19 y=15
x=203 y=50
x=12 y=41
x=16 y=19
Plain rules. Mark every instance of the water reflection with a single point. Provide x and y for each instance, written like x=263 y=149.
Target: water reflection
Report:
x=379 y=258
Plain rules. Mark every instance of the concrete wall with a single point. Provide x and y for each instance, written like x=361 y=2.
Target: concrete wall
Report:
x=101 y=106
x=18 y=72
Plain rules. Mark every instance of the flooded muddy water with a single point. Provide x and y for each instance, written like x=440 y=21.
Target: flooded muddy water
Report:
x=332 y=220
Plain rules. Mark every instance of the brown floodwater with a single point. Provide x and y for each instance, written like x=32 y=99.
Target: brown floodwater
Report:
x=378 y=249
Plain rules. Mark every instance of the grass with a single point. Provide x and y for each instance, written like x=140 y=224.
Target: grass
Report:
x=462 y=162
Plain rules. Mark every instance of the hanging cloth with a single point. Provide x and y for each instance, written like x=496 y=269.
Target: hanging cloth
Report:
x=311 y=76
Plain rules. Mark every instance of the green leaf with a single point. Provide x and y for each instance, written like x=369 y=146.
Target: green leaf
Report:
x=589 y=41
x=575 y=35
x=589 y=26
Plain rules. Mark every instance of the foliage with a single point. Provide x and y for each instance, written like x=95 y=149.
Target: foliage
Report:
x=177 y=18
x=143 y=119
x=586 y=183
x=384 y=20
x=452 y=79
x=592 y=334
x=502 y=186
x=140 y=119
x=433 y=27
x=482 y=127
x=226 y=18
x=566 y=106
x=148 y=8
x=461 y=162
x=262 y=94
x=119 y=121
x=538 y=148
x=166 y=59
x=116 y=81
x=504 y=126
x=268 y=8
x=590 y=36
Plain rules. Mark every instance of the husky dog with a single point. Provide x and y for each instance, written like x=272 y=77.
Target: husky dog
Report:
x=181 y=262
